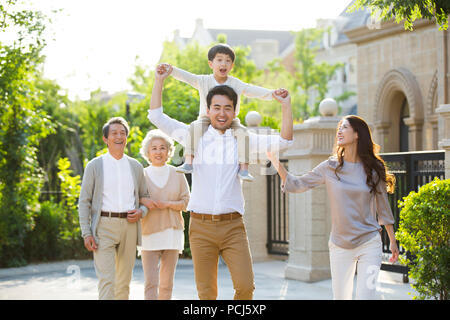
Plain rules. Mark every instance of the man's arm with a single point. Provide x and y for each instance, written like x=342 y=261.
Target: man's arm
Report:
x=85 y=200
x=287 y=122
x=136 y=214
x=84 y=207
x=261 y=143
x=174 y=128
x=143 y=192
x=161 y=73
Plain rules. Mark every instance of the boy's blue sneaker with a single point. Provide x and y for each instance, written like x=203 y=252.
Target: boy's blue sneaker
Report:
x=185 y=168
x=245 y=176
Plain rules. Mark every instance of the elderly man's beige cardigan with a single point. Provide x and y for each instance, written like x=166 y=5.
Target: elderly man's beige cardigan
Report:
x=91 y=195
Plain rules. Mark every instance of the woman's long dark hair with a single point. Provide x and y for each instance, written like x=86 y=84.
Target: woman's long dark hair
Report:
x=367 y=151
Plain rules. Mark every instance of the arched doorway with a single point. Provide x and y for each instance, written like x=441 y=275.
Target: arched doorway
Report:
x=398 y=112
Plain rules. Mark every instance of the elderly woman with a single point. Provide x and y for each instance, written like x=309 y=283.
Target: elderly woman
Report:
x=162 y=227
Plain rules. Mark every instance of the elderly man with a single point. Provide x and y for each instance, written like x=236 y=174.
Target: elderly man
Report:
x=109 y=211
x=217 y=203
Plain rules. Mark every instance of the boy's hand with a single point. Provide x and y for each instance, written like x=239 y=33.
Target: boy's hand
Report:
x=164 y=68
x=281 y=95
x=163 y=71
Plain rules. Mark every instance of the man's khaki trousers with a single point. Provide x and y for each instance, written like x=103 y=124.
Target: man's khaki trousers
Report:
x=228 y=238
x=114 y=259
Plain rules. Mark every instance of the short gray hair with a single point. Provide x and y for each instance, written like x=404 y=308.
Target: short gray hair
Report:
x=156 y=134
x=114 y=120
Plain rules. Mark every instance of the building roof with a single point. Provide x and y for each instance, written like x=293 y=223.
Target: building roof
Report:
x=241 y=37
x=237 y=37
x=353 y=20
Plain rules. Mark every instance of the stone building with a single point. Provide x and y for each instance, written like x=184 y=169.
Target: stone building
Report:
x=403 y=85
x=402 y=76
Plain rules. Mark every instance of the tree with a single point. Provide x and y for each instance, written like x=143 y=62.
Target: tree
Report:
x=90 y=116
x=22 y=125
x=309 y=76
x=64 y=142
x=407 y=11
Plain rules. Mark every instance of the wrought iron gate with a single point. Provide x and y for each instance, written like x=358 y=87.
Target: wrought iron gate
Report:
x=277 y=215
x=412 y=170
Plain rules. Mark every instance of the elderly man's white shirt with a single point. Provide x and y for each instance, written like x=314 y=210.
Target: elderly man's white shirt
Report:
x=216 y=188
x=118 y=185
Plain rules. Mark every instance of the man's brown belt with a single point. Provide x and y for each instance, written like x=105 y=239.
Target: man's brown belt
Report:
x=114 y=214
x=216 y=217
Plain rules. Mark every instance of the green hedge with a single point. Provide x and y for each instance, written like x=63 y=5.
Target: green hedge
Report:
x=424 y=232
x=48 y=240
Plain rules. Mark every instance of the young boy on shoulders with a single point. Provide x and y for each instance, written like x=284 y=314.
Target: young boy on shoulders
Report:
x=221 y=60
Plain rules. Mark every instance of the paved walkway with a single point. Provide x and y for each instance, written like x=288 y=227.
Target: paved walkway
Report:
x=76 y=280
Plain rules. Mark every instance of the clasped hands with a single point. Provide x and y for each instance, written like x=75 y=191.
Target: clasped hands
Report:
x=154 y=204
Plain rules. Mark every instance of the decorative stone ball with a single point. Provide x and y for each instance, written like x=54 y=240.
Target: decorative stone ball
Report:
x=253 y=119
x=328 y=107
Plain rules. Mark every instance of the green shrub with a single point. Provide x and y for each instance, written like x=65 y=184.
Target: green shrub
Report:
x=424 y=232
x=55 y=234
x=42 y=242
x=70 y=235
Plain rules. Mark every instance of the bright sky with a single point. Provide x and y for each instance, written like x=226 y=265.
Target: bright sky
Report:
x=96 y=41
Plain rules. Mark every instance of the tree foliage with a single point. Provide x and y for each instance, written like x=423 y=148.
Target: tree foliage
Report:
x=63 y=142
x=407 y=11
x=310 y=75
x=22 y=125
x=308 y=83
x=56 y=233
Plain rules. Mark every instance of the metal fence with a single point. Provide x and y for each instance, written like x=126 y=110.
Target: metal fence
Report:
x=277 y=215
x=412 y=170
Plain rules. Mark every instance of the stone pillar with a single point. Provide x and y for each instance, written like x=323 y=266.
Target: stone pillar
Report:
x=309 y=213
x=255 y=195
x=382 y=135
x=444 y=134
x=414 y=134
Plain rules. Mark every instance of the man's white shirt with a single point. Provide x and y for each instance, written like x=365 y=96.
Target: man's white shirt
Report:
x=118 y=185
x=216 y=188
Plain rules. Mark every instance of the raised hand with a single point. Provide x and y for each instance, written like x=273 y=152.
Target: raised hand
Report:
x=281 y=95
x=163 y=70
